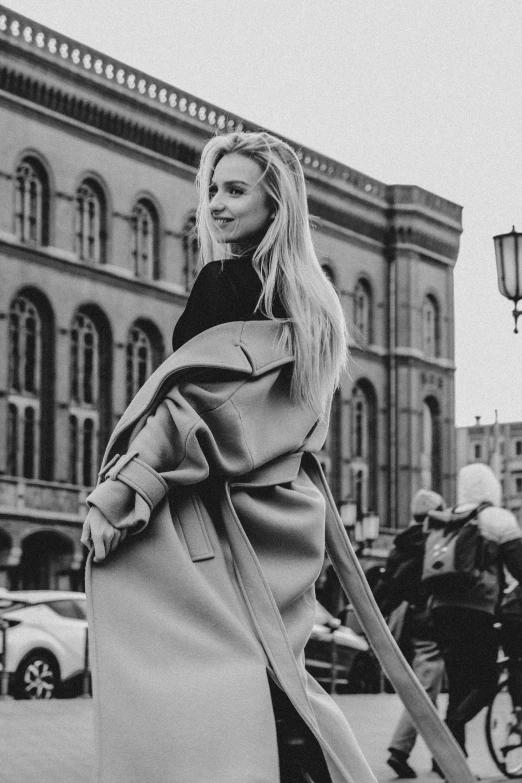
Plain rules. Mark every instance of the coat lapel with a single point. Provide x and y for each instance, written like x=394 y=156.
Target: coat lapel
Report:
x=249 y=347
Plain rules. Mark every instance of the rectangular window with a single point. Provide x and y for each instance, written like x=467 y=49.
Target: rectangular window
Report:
x=478 y=451
x=518 y=485
x=518 y=447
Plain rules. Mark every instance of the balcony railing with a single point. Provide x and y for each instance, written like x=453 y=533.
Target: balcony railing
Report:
x=44 y=499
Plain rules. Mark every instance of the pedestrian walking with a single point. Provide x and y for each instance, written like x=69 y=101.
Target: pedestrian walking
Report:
x=401 y=587
x=464 y=616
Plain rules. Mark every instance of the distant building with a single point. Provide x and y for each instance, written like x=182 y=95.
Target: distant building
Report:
x=499 y=446
x=97 y=256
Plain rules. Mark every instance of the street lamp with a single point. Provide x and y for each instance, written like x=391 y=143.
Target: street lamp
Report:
x=508 y=253
x=348 y=512
x=367 y=530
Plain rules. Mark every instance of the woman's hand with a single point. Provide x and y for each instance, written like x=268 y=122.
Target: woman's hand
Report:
x=99 y=535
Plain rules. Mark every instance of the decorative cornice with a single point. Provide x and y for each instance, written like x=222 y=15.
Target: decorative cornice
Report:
x=90 y=114
x=73 y=57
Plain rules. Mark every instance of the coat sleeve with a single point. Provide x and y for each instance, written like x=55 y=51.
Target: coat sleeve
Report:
x=200 y=429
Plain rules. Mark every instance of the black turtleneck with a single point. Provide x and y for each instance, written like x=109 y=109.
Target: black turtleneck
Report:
x=224 y=291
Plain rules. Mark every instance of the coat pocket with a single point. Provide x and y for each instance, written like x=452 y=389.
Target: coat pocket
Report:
x=190 y=520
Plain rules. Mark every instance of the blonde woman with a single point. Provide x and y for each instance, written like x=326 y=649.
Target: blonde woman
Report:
x=207 y=529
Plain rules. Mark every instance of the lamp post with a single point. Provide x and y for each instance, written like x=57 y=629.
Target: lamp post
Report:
x=508 y=253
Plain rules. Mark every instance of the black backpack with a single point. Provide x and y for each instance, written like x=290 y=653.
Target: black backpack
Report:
x=455 y=554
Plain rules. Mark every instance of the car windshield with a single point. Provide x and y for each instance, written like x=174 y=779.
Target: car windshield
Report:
x=68 y=608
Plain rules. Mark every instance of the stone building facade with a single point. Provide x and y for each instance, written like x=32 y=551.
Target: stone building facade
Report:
x=498 y=445
x=97 y=257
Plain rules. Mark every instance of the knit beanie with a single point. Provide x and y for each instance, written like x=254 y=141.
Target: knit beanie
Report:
x=424 y=501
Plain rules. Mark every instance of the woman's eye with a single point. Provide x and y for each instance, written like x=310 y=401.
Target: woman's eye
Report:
x=212 y=192
x=236 y=192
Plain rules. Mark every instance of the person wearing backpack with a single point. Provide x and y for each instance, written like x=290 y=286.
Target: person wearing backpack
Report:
x=480 y=539
x=400 y=590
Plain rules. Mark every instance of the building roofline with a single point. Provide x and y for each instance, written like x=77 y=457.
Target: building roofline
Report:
x=74 y=57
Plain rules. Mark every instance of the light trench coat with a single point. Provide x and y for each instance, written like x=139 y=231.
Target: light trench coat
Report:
x=211 y=468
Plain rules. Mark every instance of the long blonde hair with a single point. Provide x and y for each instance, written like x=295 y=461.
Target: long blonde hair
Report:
x=286 y=263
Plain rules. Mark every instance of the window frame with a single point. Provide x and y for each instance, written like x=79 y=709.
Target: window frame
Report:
x=90 y=233
x=31 y=203
x=363 y=311
x=145 y=240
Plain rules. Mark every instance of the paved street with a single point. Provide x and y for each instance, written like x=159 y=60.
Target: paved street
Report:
x=51 y=742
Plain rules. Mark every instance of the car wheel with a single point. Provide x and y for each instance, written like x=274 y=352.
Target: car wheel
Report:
x=37 y=677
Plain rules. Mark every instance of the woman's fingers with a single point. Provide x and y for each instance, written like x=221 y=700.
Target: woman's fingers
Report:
x=98 y=534
x=119 y=536
x=86 y=533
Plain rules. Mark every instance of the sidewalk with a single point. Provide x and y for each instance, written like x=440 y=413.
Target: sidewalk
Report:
x=51 y=741
x=373 y=718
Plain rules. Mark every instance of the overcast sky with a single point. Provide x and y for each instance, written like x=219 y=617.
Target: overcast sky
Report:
x=424 y=92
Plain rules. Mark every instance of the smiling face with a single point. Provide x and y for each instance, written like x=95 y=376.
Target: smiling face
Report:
x=239 y=204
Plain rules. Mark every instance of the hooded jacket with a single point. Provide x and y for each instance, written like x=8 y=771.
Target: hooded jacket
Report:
x=478 y=484
x=211 y=468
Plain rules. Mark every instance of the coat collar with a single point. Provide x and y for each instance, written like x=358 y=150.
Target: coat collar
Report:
x=249 y=347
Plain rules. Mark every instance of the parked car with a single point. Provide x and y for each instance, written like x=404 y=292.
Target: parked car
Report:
x=45 y=648
x=338 y=657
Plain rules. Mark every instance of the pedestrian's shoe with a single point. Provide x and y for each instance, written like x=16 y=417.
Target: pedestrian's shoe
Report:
x=400 y=766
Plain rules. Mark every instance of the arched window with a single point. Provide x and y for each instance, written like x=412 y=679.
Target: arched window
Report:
x=82 y=434
x=30 y=431
x=430 y=326
x=85 y=388
x=139 y=361
x=363 y=312
x=25 y=365
x=145 y=240
x=91 y=219
x=364 y=445
x=431 y=457
x=190 y=252
x=89 y=406
x=360 y=493
x=84 y=361
x=12 y=440
x=360 y=424
x=88 y=452
x=32 y=202
x=24 y=347
x=73 y=452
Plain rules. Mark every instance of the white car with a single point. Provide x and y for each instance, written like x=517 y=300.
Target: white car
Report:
x=46 y=639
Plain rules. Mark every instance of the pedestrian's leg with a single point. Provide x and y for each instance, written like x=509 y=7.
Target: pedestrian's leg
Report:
x=404 y=736
x=430 y=672
x=480 y=654
x=428 y=666
x=450 y=636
